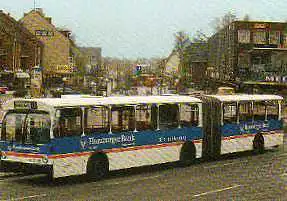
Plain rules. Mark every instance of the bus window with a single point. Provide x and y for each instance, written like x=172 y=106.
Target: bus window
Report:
x=259 y=110
x=168 y=116
x=143 y=117
x=97 y=120
x=69 y=122
x=229 y=113
x=38 y=128
x=272 y=110
x=123 y=118
x=189 y=115
x=245 y=112
x=26 y=128
x=13 y=125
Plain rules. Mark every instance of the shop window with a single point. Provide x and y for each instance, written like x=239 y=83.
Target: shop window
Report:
x=274 y=37
x=259 y=37
x=243 y=36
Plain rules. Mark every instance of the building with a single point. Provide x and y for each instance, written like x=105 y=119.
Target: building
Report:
x=20 y=51
x=94 y=59
x=249 y=51
x=58 y=59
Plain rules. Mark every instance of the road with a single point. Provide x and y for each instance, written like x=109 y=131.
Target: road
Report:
x=235 y=177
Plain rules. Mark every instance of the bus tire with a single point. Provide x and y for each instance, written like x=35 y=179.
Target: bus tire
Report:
x=98 y=167
x=258 y=144
x=187 y=154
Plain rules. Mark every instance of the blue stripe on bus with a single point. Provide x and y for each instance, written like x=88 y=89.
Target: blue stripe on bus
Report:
x=101 y=141
x=251 y=127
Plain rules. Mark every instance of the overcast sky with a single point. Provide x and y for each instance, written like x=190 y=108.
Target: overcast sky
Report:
x=142 y=28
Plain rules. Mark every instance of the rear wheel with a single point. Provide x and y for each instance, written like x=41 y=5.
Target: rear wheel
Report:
x=98 y=167
x=258 y=144
x=187 y=154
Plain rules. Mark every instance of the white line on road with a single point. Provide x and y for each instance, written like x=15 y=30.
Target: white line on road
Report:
x=216 y=191
x=133 y=180
x=28 y=197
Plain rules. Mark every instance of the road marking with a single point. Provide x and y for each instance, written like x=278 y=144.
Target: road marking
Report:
x=28 y=197
x=225 y=164
x=132 y=180
x=216 y=191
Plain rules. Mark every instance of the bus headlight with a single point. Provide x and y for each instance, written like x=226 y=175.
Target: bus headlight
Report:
x=45 y=159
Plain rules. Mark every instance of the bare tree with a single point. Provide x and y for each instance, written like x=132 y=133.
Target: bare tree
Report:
x=199 y=37
x=220 y=22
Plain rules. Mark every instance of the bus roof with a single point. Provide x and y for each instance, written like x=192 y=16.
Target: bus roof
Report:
x=112 y=100
x=245 y=97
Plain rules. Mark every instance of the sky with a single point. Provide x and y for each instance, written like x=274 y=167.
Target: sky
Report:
x=142 y=28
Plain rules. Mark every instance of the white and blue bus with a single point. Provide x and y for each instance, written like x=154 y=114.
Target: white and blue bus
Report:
x=95 y=135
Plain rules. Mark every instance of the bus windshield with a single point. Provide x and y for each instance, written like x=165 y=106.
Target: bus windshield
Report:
x=26 y=127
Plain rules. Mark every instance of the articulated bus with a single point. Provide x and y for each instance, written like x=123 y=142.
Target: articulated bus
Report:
x=96 y=135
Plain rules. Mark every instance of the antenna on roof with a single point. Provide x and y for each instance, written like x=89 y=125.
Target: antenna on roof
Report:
x=34 y=4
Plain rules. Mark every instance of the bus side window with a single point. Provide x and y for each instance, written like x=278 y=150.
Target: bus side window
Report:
x=229 y=114
x=123 y=119
x=189 y=115
x=272 y=110
x=168 y=116
x=143 y=118
x=97 y=120
x=245 y=112
x=69 y=123
x=259 y=110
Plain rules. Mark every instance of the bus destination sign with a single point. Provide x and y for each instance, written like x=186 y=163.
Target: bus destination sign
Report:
x=30 y=105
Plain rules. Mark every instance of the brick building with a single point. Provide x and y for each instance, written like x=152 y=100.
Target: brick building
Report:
x=19 y=49
x=58 y=59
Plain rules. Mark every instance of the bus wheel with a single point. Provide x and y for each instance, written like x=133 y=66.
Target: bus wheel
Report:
x=187 y=154
x=98 y=166
x=258 y=144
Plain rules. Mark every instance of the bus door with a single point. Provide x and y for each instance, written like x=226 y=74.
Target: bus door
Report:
x=211 y=128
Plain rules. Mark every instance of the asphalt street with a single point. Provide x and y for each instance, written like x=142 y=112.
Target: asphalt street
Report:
x=243 y=176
